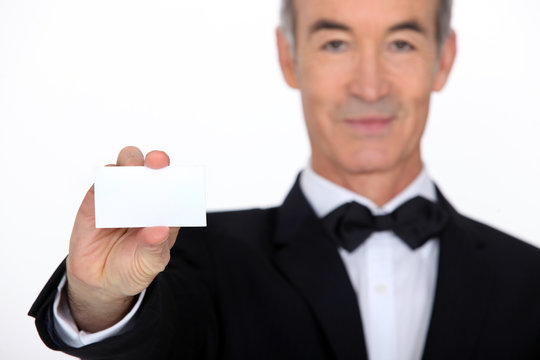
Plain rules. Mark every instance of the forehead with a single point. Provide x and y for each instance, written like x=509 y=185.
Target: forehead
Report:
x=366 y=13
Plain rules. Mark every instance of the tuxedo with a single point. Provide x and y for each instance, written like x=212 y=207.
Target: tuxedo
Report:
x=270 y=284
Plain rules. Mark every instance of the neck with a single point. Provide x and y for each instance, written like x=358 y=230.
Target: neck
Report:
x=378 y=186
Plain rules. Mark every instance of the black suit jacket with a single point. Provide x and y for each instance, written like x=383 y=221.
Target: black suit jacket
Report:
x=269 y=284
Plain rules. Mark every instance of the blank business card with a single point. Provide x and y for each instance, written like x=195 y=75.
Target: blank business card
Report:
x=136 y=196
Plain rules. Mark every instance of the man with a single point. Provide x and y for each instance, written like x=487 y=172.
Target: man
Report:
x=307 y=280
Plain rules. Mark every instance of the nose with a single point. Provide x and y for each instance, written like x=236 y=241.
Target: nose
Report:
x=368 y=80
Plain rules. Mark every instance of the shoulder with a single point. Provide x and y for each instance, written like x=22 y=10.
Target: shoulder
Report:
x=506 y=251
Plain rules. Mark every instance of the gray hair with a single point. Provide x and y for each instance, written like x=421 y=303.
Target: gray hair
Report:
x=288 y=21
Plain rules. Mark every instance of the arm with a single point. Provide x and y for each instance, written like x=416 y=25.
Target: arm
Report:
x=177 y=317
x=106 y=268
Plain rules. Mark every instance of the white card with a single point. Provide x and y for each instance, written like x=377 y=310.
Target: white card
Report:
x=136 y=196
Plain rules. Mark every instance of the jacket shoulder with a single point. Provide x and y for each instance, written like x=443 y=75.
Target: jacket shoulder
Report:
x=504 y=248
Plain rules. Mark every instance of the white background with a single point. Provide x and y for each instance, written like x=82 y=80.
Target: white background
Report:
x=81 y=79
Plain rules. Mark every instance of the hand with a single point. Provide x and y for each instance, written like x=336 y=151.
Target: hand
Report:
x=107 y=267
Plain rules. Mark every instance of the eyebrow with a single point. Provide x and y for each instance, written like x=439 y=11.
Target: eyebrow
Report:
x=412 y=25
x=324 y=24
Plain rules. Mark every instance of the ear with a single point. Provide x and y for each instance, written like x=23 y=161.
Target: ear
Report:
x=446 y=61
x=286 y=59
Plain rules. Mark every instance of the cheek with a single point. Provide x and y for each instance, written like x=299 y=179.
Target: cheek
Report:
x=412 y=84
x=317 y=86
x=322 y=90
x=323 y=78
x=414 y=72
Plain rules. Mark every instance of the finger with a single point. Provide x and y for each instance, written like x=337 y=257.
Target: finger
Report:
x=157 y=159
x=130 y=156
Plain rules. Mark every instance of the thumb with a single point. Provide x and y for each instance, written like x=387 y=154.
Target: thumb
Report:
x=153 y=250
x=152 y=236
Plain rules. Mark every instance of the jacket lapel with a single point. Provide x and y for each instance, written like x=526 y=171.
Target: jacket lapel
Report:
x=462 y=292
x=310 y=261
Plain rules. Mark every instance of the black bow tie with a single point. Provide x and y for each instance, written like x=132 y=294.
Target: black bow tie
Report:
x=415 y=222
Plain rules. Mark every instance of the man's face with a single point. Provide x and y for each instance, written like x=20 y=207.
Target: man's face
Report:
x=365 y=70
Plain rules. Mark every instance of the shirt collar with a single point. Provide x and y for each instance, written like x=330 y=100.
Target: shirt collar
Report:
x=324 y=196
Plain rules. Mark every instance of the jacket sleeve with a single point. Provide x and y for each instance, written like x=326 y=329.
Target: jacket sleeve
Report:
x=177 y=318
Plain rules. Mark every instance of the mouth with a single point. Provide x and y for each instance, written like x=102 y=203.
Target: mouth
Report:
x=370 y=125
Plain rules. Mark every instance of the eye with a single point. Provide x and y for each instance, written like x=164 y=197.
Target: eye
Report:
x=401 y=46
x=335 y=46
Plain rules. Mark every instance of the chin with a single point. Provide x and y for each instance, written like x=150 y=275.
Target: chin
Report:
x=363 y=161
x=366 y=163
x=366 y=169
x=348 y=168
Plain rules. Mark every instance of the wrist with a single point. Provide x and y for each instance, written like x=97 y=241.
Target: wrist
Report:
x=94 y=309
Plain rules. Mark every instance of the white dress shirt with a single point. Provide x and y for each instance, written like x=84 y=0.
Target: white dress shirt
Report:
x=394 y=285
